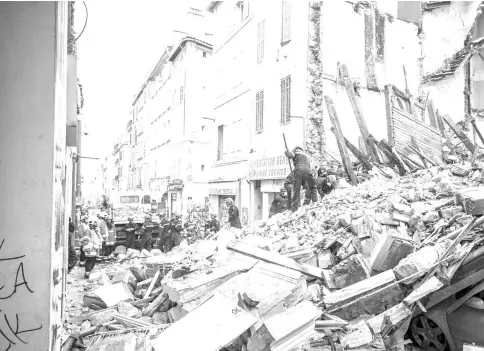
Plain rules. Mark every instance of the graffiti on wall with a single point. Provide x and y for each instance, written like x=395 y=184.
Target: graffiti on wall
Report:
x=15 y=328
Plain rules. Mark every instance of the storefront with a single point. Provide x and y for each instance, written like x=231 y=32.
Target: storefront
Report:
x=219 y=192
x=266 y=176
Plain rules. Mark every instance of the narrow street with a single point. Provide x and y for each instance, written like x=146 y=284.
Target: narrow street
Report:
x=242 y=176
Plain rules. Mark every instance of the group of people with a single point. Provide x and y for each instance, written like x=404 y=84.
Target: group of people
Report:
x=170 y=233
x=320 y=183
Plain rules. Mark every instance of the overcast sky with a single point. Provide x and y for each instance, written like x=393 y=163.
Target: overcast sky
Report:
x=120 y=45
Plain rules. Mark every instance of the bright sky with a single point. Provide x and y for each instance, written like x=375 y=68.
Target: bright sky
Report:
x=120 y=45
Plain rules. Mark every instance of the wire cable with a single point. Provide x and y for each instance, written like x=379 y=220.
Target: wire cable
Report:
x=85 y=23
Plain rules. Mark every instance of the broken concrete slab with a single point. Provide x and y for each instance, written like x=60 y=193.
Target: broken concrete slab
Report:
x=219 y=317
x=370 y=296
x=419 y=262
x=127 y=309
x=108 y=295
x=359 y=335
x=286 y=330
x=347 y=272
x=390 y=250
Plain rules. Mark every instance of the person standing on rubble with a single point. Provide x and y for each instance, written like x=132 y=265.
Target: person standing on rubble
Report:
x=146 y=233
x=103 y=230
x=174 y=236
x=302 y=172
x=289 y=187
x=130 y=229
x=233 y=211
x=213 y=226
x=279 y=204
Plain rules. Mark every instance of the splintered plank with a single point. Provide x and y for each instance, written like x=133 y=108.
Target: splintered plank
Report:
x=350 y=90
x=340 y=139
x=388 y=151
x=455 y=128
x=276 y=259
x=358 y=155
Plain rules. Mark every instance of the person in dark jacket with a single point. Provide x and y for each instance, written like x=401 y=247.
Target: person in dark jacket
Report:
x=213 y=226
x=289 y=186
x=279 y=204
x=72 y=259
x=146 y=233
x=324 y=183
x=234 y=217
x=130 y=229
x=302 y=172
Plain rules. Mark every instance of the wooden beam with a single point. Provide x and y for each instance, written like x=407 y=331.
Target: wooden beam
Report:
x=422 y=156
x=478 y=132
x=404 y=164
x=431 y=112
x=152 y=284
x=455 y=128
x=277 y=259
x=340 y=139
x=355 y=104
x=362 y=158
x=388 y=151
x=388 y=106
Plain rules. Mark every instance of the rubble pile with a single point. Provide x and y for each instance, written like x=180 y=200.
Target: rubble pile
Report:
x=123 y=213
x=349 y=271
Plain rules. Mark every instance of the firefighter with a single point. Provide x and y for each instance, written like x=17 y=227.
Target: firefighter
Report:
x=146 y=233
x=325 y=183
x=234 y=218
x=173 y=237
x=302 y=172
x=213 y=226
x=130 y=233
x=279 y=204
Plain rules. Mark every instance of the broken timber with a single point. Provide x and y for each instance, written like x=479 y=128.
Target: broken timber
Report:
x=369 y=143
x=455 y=128
x=362 y=158
x=417 y=150
x=388 y=151
x=340 y=140
x=276 y=259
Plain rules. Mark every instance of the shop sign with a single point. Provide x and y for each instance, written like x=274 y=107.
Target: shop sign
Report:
x=276 y=167
x=175 y=187
x=222 y=189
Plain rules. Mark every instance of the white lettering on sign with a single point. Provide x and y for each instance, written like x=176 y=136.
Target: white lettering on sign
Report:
x=276 y=167
x=221 y=191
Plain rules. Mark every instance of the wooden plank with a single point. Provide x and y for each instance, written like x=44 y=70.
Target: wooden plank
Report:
x=152 y=284
x=404 y=164
x=362 y=158
x=340 y=139
x=389 y=108
x=430 y=286
x=455 y=128
x=418 y=151
x=355 y=104
x=478 y=132
x=431 y=112
x=276 y=259
x=388 y=151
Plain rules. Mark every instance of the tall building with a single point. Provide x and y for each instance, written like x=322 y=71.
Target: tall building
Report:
x=172 y=129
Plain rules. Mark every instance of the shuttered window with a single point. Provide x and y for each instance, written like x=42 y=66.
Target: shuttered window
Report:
x=285 y=100
x=259 y=111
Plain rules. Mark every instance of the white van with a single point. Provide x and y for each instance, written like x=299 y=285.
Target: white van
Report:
x=133 y=199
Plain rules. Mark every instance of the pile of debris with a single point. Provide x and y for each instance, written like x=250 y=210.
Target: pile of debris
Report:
x=123 y=213
x=350 y=270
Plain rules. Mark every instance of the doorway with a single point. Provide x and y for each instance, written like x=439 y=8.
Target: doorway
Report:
x=257 y=201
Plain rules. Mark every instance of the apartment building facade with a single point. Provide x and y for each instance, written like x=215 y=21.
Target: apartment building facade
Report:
x=172 y=129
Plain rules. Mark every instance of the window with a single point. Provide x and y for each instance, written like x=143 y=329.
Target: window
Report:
x=286 y=21
x=181 y=94
x=259 y=111
x=204 y=54
x=129 y=199
x=220 y=148
x=286 y=99
x=260 y=40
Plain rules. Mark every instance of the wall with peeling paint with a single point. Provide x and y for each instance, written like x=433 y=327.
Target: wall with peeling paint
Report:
x=32 y=173
x=343 y=40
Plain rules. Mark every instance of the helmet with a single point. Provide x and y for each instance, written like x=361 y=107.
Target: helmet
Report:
x=298 y=148
x=130 y=218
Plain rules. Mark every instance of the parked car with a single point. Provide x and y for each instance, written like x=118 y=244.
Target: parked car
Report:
x=451 y=321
